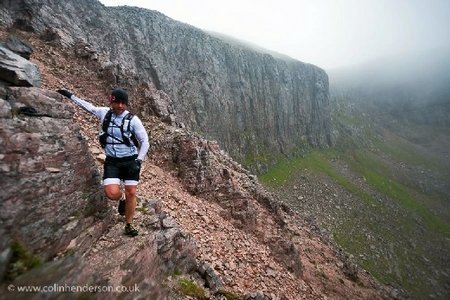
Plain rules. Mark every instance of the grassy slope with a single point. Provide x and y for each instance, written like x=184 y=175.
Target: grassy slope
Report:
x=402 y=237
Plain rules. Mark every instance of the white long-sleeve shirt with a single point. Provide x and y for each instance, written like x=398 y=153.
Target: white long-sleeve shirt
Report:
x=114 y=149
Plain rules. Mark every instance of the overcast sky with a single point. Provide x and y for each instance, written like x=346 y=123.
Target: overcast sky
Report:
x=327 y=33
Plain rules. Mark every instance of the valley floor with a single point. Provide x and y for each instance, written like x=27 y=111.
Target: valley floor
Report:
x=386 y=203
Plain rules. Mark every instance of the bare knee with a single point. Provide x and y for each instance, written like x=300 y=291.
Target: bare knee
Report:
x=112 y=191
x=130 y=191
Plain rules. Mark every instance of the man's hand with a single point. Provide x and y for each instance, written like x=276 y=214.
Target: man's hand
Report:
x=65 y=93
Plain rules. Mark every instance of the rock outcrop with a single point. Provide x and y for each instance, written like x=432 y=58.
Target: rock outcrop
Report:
x=23 y=73
x=256 y=105
x=40 y=166
x=52 y=208
x=50 y=188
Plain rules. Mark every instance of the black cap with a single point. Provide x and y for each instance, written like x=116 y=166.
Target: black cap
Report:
x=119 y=95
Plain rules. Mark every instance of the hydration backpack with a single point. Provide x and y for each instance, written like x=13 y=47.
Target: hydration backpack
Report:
x=124 y=127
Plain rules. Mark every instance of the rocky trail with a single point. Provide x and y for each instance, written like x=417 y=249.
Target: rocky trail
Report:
x=244 y=263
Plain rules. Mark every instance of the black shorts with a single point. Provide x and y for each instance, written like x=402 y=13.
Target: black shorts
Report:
x=124 y=169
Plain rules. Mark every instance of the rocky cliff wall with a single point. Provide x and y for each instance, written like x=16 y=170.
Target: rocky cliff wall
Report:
x=50 y=187
x=257 y=106
x=51 y=197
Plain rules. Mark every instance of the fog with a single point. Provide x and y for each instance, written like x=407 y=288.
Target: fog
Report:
x=327 y=33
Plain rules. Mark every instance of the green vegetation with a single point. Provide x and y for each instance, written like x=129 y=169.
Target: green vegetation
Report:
x=377 y=175
x=261 y=157
x=21 y=261
x=229 y=295
x=316 y=161
x=394 y=236
x=351 y=238
x=190 y=288
x=255 y=159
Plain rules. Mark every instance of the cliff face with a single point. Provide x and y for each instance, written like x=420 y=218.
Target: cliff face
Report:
x=41 y=169
x=251 y=102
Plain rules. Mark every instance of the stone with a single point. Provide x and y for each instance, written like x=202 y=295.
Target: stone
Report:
x=212 y=280
x=18 y=46
x=16 y=70
x=5 y=109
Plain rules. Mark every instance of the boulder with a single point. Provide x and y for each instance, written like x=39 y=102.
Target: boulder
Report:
x=17 y=71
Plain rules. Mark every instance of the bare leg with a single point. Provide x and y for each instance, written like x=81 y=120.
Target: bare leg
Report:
x=130 y=202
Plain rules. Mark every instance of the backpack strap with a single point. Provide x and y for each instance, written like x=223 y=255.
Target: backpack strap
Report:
x=105 y=134
x=126 y=122
x=106 y=121
x=125 y=127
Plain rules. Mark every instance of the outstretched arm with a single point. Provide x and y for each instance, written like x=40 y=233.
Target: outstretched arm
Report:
x=87 y=106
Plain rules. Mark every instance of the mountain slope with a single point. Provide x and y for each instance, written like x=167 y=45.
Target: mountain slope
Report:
x=382 y=192
x=252 y=242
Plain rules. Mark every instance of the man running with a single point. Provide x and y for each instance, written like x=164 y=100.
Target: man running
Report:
x=126 y=144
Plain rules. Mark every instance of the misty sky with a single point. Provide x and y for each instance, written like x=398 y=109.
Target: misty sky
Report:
x=327 y=33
